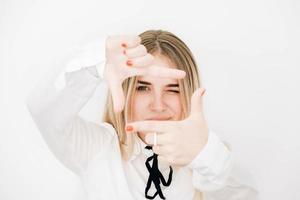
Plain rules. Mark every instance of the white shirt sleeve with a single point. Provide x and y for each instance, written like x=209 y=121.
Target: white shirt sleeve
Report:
x=214 y=173
x=54 y=110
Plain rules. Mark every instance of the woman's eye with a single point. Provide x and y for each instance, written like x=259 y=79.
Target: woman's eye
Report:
x=142 y=88
x=146 y=88
x=175 y=91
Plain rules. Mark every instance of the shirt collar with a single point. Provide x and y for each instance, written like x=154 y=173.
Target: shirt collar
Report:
x=139 y=147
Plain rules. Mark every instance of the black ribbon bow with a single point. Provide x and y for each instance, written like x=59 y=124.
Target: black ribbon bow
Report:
x=155 y=176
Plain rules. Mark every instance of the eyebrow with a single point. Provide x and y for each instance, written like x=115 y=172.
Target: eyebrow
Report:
x=147 y=83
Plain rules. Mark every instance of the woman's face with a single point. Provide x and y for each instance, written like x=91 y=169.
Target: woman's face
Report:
x=157 y=98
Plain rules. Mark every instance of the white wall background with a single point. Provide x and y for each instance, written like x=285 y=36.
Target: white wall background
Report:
x=248 y=52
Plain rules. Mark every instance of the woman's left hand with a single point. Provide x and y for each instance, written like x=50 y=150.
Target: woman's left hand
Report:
x=178 y=142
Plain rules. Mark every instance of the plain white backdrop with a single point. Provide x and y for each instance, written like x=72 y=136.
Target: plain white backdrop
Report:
x=249 y=59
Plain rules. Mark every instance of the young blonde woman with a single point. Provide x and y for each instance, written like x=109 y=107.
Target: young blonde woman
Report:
x=153 y=142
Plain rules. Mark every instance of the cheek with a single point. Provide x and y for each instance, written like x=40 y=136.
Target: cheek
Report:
x=174 y=103
x=138 y=104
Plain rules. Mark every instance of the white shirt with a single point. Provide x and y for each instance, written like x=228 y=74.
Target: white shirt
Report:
x=92 y=151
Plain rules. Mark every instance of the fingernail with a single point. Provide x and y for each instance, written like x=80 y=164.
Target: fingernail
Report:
x=124 y=45
x=129 y=63
x=129 y=128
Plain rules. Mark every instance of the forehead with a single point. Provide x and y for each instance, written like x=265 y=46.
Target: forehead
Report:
x=161 y=61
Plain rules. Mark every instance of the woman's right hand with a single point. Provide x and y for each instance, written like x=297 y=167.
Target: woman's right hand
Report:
x=126 y=57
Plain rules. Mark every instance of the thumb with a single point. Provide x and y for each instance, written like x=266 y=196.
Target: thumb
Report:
x=162 y=159
x=196 y=101
x=117 y=96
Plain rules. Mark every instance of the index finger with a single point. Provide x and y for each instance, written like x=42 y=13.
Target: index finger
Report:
x=164 y=72
x=125 y=41
x=157 y=71
x=150 y=126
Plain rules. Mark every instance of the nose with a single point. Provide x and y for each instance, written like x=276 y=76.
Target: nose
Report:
x=157 y=103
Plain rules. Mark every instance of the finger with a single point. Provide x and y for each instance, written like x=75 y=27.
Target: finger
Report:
x=196 y=101
x=164 y=72
x=160 y=150
x=141 y=61
x=161 y=139
x=122 y=41
x=161 y=72
x=131 y=41
x=136 y=51
x=151 y=126
x=162 y=159
x=117 y=96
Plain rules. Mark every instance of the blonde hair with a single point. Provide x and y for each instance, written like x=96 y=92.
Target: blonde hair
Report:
x=167 y=44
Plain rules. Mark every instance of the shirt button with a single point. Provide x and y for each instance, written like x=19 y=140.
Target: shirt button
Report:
x=148 y=152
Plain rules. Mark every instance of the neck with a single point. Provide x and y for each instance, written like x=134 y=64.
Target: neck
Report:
x=142 y=136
